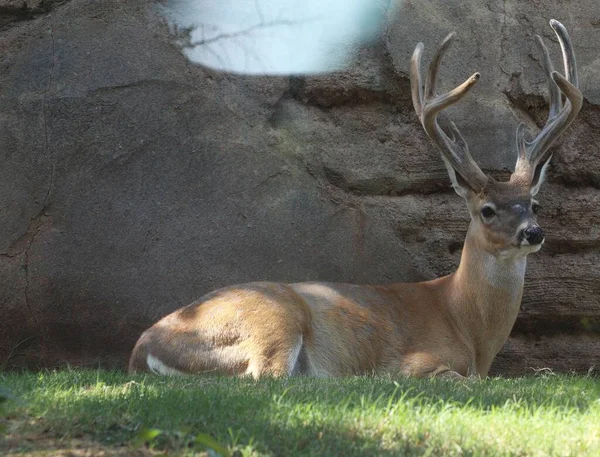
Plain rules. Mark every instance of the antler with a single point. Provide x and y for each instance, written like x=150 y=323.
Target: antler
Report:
x=534 y=153
x=428 y=105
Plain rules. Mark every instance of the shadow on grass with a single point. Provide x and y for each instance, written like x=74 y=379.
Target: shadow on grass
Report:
x=299 y=416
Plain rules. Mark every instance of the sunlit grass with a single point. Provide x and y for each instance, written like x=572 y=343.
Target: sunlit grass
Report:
x=544 y=415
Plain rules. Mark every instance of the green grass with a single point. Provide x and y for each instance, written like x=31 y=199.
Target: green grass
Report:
x=358 y=416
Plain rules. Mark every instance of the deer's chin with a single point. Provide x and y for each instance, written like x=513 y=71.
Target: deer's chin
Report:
x=519 y=250
x=527 y=248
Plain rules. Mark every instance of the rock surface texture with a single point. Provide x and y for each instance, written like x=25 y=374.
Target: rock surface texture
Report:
x=132 y=181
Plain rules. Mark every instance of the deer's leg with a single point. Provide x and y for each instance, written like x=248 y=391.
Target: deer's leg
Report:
x=449 y=374
x=428 y=364
x=281 y=358
x=171 y=351
x=258 y=354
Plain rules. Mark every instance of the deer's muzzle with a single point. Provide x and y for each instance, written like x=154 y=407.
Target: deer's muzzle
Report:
x=533 y=234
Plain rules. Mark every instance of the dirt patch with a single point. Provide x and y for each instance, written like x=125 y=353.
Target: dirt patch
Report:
x=37 y=444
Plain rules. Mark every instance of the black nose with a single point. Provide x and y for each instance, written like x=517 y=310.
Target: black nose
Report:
x=533 y=234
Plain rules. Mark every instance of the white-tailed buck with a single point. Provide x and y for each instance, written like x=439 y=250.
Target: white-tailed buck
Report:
x=451 y=326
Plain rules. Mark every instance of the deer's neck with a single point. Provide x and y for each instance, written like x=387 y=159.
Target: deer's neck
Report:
x=487 y=292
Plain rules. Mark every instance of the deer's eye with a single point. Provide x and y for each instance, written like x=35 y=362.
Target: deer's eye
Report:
x=535 y=207
x=488 y=212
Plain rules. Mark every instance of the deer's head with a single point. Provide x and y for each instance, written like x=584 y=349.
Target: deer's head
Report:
x=502 y=213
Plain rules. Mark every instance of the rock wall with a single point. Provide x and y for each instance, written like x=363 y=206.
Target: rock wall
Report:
x=132 y=182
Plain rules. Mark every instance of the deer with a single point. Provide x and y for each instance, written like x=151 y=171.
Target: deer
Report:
x=450 y=327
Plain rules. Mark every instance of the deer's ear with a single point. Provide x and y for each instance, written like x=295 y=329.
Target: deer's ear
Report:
x=539 y=176
x=458 y=183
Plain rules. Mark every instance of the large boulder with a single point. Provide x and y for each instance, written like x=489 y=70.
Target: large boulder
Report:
x=133 y=181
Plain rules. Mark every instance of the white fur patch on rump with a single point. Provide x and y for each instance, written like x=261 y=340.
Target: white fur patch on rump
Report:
x=294 y=354
x=157 y=367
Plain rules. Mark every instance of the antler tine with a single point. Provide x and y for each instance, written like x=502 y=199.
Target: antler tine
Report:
x=416 y=80
x=434 y=65
x=560 y=116
x=427 y=106
x=553 y=91
x=567 y=51
x=522 y=161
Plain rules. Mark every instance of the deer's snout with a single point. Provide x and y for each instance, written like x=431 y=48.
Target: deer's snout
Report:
x=533 y=234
